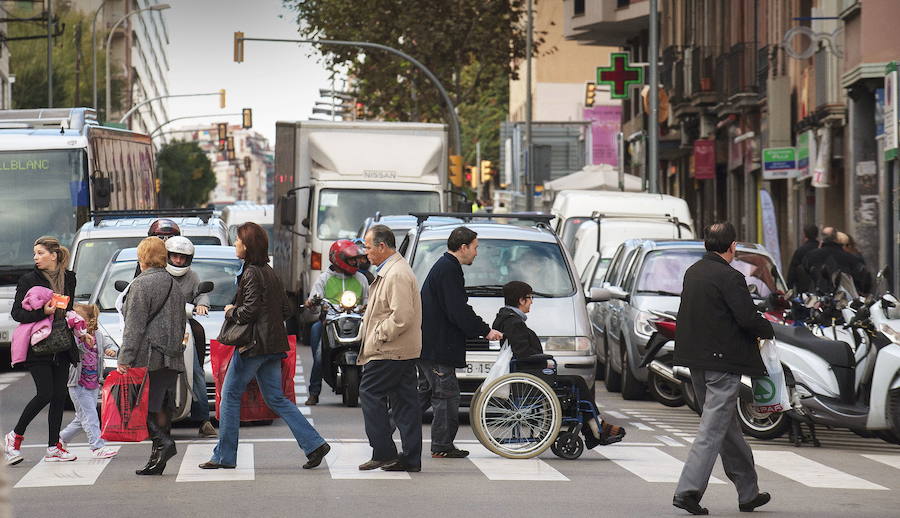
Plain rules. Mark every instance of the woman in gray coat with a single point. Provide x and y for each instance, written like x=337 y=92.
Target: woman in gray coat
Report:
x=155 y=321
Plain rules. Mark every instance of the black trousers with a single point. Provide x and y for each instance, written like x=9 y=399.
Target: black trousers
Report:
x=50 y=379
x=395 y=380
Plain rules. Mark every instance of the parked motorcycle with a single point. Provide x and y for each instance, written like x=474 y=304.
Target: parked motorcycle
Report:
x=341 y=342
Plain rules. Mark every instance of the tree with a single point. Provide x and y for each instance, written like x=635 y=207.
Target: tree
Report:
x=72 y=60
x=472 y=46
x=185 y=174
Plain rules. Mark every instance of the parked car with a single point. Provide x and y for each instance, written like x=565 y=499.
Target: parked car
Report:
x=400 y=225
x=646 y=276
x=532 y=254
x=216 y=264
x=98 y=239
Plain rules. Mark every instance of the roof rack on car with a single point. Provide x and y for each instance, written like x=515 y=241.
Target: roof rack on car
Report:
x=597 y=216
x=540 y=219
x=100 y=215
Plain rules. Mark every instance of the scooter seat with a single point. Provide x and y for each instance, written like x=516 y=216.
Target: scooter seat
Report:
x=834 y=352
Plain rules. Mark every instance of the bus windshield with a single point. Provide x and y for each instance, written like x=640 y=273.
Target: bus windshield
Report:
x=39 y=194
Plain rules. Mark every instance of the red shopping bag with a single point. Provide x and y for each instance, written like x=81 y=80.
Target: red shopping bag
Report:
x=124 y=405
x=253 y=408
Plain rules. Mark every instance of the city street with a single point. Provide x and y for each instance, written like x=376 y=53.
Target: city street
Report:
x=847 y=476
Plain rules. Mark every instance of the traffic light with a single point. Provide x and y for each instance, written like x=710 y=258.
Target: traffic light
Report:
x=472 y=175
x=456 y=170
x=238 y=47
x=360 y=111
x=247 y=118
x=590 y=92
x=222 y=98
x=247 y=163
x=486 y=172
x=222 y=130
x=229 y=147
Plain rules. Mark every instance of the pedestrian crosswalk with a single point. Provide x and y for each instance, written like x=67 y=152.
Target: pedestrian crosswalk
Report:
x=8 y=378
x=650 y=464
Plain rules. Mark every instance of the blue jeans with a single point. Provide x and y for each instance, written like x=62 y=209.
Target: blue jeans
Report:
x=315 y=375
x=200 y=405
x=266 y=369
x=86 y=418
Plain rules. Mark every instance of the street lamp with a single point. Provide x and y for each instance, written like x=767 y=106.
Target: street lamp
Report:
x=94 y=49
x=157 y=7
x=134 y=108
x=210 y=115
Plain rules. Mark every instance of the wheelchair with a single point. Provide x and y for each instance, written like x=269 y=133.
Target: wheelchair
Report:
x=521 y=414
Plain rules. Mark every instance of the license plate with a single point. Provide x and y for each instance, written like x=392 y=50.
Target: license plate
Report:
x=4 y=336
x=476 y=368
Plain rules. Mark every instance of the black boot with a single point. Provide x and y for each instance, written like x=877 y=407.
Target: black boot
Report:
x=165 y=452
x=153 y=429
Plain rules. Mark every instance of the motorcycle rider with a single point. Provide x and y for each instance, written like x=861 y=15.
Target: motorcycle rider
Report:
x=163 y=228
x=343 y=275
x=180 y=254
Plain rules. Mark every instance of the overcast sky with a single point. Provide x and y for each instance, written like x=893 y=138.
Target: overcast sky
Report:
x=279 y=81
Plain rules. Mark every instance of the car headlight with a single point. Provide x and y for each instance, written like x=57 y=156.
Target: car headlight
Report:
x=643 y=326
x=890 y=332
x=348 y=299
x=567 y=343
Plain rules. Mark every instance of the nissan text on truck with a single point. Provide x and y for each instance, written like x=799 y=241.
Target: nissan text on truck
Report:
x=331 y=176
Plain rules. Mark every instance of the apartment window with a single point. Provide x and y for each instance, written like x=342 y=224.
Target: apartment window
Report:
x=579 y=7
x=622 y=3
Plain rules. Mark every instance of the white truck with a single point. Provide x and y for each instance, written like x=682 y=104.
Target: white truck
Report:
x=331 y=176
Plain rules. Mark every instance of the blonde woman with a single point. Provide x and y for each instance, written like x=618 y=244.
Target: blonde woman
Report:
x=155 y=320
x=49 y=371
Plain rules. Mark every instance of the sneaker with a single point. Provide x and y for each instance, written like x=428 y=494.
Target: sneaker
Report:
x=59 y=454
x=11 y=449
x=208 y=430
x=104 y=453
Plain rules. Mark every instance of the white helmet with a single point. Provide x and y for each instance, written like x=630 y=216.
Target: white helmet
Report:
x=179 y=245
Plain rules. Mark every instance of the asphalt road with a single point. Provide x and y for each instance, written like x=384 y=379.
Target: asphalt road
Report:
x=847 y=476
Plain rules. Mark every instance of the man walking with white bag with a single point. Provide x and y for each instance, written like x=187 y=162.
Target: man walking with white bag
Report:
x=716 y=337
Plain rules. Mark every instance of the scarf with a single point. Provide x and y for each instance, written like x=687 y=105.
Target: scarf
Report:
x=57 y=279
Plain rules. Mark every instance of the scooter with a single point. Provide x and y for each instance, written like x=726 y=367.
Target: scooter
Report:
x=341 y=342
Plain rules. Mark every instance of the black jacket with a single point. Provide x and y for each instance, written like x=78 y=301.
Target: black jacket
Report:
x=797 y=278
x=447 y=317
x=522 y=340
x=822 y=263
x=261 y=301
x=24 y=316
x=718 y=324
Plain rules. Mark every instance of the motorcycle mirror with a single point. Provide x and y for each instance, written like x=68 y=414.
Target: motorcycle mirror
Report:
x=206 y=287
x=120 y=285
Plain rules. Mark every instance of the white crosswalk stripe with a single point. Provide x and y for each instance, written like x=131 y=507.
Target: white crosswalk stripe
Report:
x=345 y=458
x=83 y=471
x=809 y=472
x=651 y=464
x=197 y=454
x=496 y=467
x=891 y=460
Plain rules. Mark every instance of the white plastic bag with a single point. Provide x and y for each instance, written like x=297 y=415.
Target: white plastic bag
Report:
x=500 y=368
x=770 y=394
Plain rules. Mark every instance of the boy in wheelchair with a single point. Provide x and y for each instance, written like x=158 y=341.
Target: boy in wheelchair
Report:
x=528 y=356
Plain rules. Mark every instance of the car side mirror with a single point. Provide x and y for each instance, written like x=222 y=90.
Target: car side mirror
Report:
x=305 y=222
x=120 y=285
x=599 y=295
x=206 y=287
x=102 y=194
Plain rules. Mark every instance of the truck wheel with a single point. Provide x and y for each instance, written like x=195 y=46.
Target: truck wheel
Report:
x=632 y=388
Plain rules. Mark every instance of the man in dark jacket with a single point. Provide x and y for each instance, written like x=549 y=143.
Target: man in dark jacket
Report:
x=447 y=320
x=831 y=258
x=798 y=279
x=716 y=338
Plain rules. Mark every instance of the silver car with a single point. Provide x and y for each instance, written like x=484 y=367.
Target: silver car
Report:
x=646 y=276
x=531 y=254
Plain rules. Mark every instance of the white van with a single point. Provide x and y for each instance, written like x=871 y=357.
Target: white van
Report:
x=239 y=213
x=622 y=216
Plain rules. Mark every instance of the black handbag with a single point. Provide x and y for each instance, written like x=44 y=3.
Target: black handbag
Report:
x=234 y=334
x=60 y=339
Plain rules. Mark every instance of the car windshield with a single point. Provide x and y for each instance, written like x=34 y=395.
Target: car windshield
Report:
x=268 y=227
x=502 y=260
x=570 y=228
x=221 y=272
x=342 y=211
x=662 y=272
x=93 y=254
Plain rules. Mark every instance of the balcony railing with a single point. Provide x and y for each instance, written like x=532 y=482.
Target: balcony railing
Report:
x=741 y=74
x=702 y=71
x=762 y=71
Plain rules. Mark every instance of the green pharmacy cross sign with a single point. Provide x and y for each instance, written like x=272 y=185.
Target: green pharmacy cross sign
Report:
x=619 y=75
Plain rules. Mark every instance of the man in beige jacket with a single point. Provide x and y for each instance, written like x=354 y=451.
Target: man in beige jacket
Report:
x=392 y=341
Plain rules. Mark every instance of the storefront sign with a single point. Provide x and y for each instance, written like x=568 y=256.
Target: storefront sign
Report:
x=606 y=122
x=803 y=154
x=704 y=159
x=779 y=163
x=890 y=112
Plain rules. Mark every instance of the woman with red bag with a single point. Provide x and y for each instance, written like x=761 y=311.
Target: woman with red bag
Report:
x=155 y=321
x=262 y=306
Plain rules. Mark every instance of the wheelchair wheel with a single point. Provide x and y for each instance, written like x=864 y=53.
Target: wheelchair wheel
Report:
x=568 y=446
x=516 y=416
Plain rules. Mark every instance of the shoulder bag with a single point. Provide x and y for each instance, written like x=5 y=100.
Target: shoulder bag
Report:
x=235 y=334
x=61 y=339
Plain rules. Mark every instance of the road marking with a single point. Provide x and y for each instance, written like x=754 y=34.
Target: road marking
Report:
x=345 y=458
x=199 y=453
x=891 y=460
x=809 y=472
x=640 y=426
x=651 y=464
x=496 y=467
x=299 y=379
x=299 y=390
x=305 y=410
x=81 y=472
x=668 y=441
x=3 y=387
x=9 y=377
x=617 y=415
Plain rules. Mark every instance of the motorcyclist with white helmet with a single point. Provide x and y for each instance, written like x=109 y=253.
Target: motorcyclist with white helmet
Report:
x=179 y=255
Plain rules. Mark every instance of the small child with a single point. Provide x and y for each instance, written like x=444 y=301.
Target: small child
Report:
x=85 y=379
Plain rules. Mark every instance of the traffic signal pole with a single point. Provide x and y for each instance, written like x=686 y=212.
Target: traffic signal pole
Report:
x=653 y=122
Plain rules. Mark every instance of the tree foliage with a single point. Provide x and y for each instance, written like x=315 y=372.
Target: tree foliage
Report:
x=72 y=60
x=185 y=173
x=472 y=46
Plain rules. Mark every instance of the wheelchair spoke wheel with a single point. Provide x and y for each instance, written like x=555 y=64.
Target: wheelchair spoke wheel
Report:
x=568 y=446
x=516 y=416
